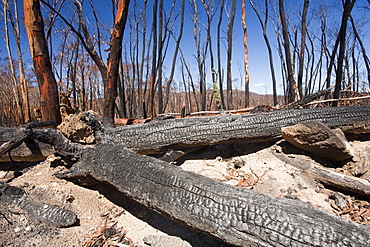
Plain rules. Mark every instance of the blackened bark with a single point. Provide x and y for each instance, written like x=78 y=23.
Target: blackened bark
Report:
x=235 y=215
x=110 y=89
x=158 y=137
x=348 y=5
x=303 y=46
x=229 y=54
x=49 y=98
x=288 y=59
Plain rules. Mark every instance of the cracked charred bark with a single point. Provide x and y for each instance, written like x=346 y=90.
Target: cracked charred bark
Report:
x=232 y=214
x=158 y=137
x=46 y=213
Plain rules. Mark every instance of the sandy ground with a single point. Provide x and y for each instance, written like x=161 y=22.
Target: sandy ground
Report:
x=128 y=224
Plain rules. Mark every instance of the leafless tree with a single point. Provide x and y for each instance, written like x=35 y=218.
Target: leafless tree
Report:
x=348 y=6
x=268 y=45
x=18 y=109
x=174 y=59
x=229 y=54
x=14 y=21
x=246 y=67
x=40 y=55
x=288 y=59
x=219 y=67
x=303 y=46
x=363 y=50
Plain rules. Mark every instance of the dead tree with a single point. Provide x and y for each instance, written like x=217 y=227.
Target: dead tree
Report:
x=174 y=59
x=363 y=50
x=153 y=76
x=302 y=47
x=40 y=56
x=108 y=72
x=18 y=111
x=246 y=66
x=234 y=215
x=200 y=55
x=219 y=68
x=14 y=21
x=209 y=7
x=229 y=53
x=268 y=45
x=348 y=5
x=291 y=85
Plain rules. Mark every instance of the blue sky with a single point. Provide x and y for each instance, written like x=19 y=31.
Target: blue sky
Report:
x=260 y=78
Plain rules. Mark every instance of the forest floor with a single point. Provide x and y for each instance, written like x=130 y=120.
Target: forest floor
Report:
x=126 y=223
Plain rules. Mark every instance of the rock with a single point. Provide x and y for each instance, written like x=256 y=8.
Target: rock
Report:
x=80 y=127
x=165 y=241
x=318 y=139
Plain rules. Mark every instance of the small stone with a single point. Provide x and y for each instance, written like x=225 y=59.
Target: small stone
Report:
x=317 y=138
x=89 y=217
x=17 y=229
x=232 y=182
x=109 y=232
x=28 y=229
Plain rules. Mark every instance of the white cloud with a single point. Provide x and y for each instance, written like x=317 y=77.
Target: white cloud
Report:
x=258 y=84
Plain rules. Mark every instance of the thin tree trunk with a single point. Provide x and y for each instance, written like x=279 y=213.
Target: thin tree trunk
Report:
x=289 y=63
x=366 y=58
x=199 y=58
x=49 y=97
x=22 y=79
x=174 y=59
x=229 y=54
x=18 y=111
x=160 y=61
x=269 y=49
x=348 y=5
x=220 y=76
x=151 y=107
x=246 y=66
x=110 y=89
x=303 y=45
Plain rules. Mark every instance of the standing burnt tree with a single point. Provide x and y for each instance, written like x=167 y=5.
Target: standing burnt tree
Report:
x=229 y=53
x=347 y=8
x=34 y=24
x=288 y=59
x=108 y=72
x=110 y=86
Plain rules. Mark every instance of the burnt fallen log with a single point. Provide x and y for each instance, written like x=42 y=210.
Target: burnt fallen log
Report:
x=46 y=213
x=234 y=215
x=307 y=99
x=329 y=177
x=160 y=136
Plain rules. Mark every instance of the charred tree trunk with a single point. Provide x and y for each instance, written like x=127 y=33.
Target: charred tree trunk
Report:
x=158 y=137
x=246 y=66
x=269 y=49
x=110 y=89
x=22 y=80
x=151 y=107
x=366 y=58
x=229 y=53
x=49 y=98
x=177 y=40
x=288 y=59
x=348 y=5
x=219 y=68
x=303 y=47
x=234 y=215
